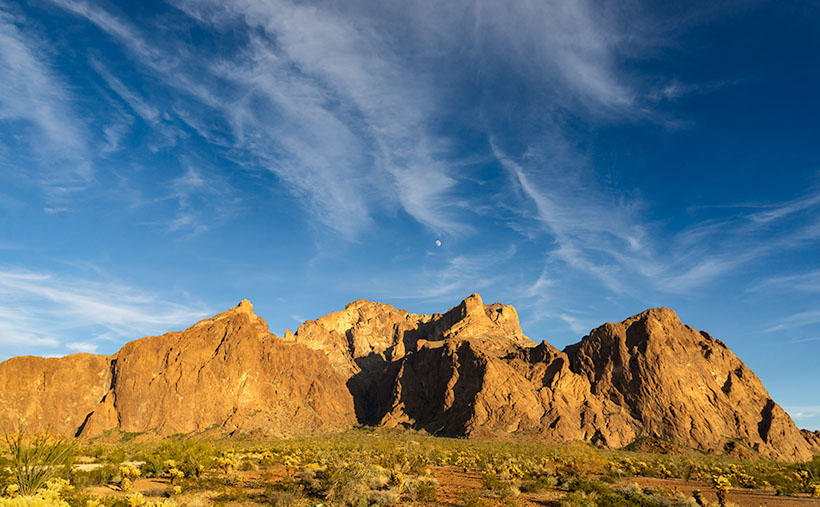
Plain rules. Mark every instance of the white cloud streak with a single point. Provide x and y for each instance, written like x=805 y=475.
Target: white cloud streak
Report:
x=606 y=236
x=455 y=278
x=36 y=104
x=794 y=321
x=46 y=310
x=336 y=115
x=30 y=90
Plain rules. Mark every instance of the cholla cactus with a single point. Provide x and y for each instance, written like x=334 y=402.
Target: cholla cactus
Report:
x=397 y=478
x=127 y=472
x=135 y=500
x=698 y=496
x=802 y=478
x=722 y=486
x=12 y=489
x=227 y=463
x=815 y=490
x=177 y=490
x=175 y=474
x=93 y=503
x=58 y=487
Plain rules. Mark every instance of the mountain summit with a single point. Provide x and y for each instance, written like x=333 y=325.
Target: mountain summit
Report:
x=468 y=371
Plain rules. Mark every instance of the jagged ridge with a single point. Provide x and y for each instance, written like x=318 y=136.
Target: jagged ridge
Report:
x=469 y=371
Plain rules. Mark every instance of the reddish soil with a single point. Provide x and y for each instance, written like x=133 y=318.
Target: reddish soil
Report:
x=737 y=496
x=454 y=481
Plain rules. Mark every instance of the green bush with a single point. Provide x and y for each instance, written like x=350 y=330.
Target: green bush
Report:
x=472 y=499
x=98 y=476
x=501 y=487
x=422 y=490
x=539 y=484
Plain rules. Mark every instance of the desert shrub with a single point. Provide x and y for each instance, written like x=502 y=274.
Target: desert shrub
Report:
x=539 y=484
x=153 y=465
x=569 y=468
x=472 y=499
x=422 y=489
x=287 y=499
x=95 y=451
x=231 y=495
x=37 y=459
x=85 y=500
x=204 y=482
x=190 y=457
x=115 y=455
x=504 y=488
x=577 y=499
x=587 y=486
x=813 y=467
x=98 y=476
x=348 y=483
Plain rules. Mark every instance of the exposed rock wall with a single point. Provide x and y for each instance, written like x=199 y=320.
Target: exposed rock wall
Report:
x=227 y=372
x=55 y=393
x=472 y=371
x=468 y=371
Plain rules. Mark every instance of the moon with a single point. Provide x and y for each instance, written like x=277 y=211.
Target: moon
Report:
x=438 y=242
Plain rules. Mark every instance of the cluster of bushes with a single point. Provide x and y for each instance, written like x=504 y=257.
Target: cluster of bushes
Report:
x=371 y=468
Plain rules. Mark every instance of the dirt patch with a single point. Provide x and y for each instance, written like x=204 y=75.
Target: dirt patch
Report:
x=737 y=496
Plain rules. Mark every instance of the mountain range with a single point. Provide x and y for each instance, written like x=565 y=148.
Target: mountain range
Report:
x=468 y=372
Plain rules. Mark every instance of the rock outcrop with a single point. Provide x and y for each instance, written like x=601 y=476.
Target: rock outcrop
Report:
x=469 y=371
x=227 y=372
x=53 y=393
x=683 y=385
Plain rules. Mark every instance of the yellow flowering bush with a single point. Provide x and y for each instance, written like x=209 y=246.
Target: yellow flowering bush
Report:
x=136 y=500
x=49 y=496
x=36 y=500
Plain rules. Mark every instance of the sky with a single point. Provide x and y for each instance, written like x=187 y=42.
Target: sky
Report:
x=582 y=161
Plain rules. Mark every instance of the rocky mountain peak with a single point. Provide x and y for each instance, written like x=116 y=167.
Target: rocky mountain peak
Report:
x=246 y=307
x=468 y=371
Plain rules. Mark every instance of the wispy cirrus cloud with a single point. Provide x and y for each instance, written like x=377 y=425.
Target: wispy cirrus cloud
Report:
x=451 y=280
x=808 y=282
x=50 y=311
x=609 y=237
x=336 y=116
x=794 y=321
x=803 y=412
x=30 y=90
x=202 y=198
x=135 y=101
x=49 y=134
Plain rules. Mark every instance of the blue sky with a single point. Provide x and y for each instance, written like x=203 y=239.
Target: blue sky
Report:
x=582 y=161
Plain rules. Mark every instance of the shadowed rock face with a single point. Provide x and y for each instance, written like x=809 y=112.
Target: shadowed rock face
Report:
x=469 y=371
x=472 y=371
x=683 y=385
